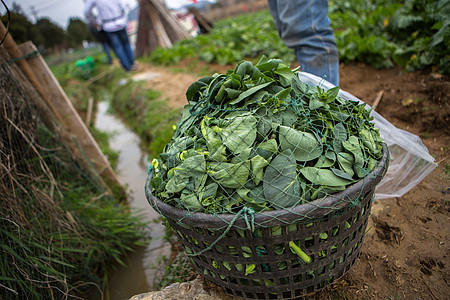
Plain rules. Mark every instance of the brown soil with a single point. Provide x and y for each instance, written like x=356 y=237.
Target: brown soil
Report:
x=405 y=254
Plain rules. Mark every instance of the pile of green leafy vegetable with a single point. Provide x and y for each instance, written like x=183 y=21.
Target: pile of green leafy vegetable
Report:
x=259 y=137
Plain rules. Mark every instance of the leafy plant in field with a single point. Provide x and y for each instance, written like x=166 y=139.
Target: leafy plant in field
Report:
x=414 y=34
x=422 y=28
x=250 y=36
x=360 y=31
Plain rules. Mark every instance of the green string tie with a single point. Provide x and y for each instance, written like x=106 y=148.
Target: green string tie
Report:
x=26 y=56
x=246 y=211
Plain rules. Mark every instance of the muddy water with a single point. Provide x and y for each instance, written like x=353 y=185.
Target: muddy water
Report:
x=138 y=275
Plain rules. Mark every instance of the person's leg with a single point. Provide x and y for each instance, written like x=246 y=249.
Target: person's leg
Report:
x=273 y=8
x=116 y=44
x=103 y=39
x=304 y=25
x=108 y=55
x=126 y=45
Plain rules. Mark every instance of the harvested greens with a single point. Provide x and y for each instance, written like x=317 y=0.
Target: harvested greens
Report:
x=260 y=138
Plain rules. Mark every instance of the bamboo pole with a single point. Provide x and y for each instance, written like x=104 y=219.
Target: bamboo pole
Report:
x=170 y=21
x=62 y=107
x=15 y=53
x=161 y=34
x=89 y=111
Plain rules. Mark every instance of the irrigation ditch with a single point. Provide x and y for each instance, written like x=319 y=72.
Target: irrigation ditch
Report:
x=132 y=163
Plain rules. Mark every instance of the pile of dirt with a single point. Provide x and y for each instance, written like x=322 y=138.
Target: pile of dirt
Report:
x=405 y=253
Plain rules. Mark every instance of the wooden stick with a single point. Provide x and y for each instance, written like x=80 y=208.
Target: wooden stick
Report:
x=15 y=53
x=98 y=76
x=201 y=19
x=163 y=38
x=171 y=21
x=377 y=99
x=89 y=111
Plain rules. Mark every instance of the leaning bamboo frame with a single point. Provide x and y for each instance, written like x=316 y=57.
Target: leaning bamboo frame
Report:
x=41 y=77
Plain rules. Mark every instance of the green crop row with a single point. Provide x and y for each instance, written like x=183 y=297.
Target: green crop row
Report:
x=413 y=33
x=231 y=40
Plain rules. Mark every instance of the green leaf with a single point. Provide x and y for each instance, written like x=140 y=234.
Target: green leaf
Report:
x=257 y=194
x=332 y=94
x=249 y=269
x=353 y=146
x=249 y=92
x=285 y=74
x=298 y=86
x=258 y=163
x=157 y=184
x=251 y=199
x=288 y=116
x=284 y=94
x=281 y=186
x=304 y=145
x=208 y=191
x=232 y=93
x=264 y=124
x=341 y=174
x=327 y=160
x=267 y=148
x=339 y=131
x=244 y=68
x=316 y=103
x=230 y=175
x=192 y=170
x=262 y=60
x=212 y=138
x=239 y=133
x=370 y=140
x=176 y=184
x=268 y=65
x=193 y=92
x=346 y=161
x=323 y=177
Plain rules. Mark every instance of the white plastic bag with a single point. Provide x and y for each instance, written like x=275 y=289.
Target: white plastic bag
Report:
x=410 y=160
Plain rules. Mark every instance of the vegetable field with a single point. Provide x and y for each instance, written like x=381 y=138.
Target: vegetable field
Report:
x=382 y=33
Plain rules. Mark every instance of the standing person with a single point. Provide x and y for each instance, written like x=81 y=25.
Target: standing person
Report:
x=111 y=14
x=304 y=25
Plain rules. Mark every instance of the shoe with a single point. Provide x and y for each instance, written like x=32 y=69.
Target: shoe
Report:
x=134 y=67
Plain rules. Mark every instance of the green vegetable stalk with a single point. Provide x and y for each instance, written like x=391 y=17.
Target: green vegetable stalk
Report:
x=296 y=250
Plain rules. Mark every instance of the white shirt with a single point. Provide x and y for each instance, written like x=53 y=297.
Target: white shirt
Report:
x=111 y=14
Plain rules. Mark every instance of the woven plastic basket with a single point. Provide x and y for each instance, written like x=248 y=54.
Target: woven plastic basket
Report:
x=329 y=230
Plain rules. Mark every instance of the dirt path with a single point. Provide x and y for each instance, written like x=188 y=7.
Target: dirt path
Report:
x=405 y=254
x=172 y=85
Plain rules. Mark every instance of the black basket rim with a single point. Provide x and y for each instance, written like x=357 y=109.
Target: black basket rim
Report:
x=311 y=210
